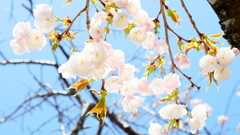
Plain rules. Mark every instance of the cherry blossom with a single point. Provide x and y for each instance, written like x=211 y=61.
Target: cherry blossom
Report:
x=98 y=18
x=79 y=64
x=158 y=86
x=19 y=46
x=35 y=40
x=222 y=119
x=66 y=71
x=116 y=60
x=129 y=88
x=137 y=35
x=172 y=111
x=121 y=3
x=171 y=81
x=120 y=21
x=95 y=53
x=113 y=84
x=155 y=129
x=144 y=87
x=208 y=63
x=21 y=30
x=199 y=112
x=222 y=73
x=225 y=56
x=126 y=72
x=133 y=6
x=100 y=72
x=196 y=124
x=140 y=17
x=44 y=20
x=148 y=26
x=195 y=102
x=96 y=31
x=161 y=46
x=132 y=103
x=183 y=60
x=149 y=42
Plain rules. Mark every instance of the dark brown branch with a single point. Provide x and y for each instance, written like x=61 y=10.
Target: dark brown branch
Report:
x=75 y=18
x=79 y=126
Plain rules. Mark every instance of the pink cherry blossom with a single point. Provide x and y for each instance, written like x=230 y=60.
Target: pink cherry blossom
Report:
x=148 y=26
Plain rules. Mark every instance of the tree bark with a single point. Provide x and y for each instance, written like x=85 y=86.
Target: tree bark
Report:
x=228 y=12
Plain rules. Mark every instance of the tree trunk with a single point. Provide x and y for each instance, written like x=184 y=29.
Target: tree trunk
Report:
x=228 y=12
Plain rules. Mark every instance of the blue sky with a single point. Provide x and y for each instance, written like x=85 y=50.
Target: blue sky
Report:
x=16 y=80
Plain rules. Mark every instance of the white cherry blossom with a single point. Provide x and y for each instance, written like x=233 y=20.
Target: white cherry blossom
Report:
x=149 y=42
x=100 y=72
x=196 y=124
x=222 y=119
x=98 y=18
x=208 y=63
x=66 y=71
x=155 y=129
x=199 y=112
x=44 y=20
x=113 y=84
x=225 y=56
x=121 y=3
x=79 y=64
x=120 y=21
x=148 y=26
x=144 y=87
x=161 y=46
x=137 y=35
x=107 y=47
x=116 y=60
x=132 y=103
x=126 y=72
x=41 y=8
x=133 y=6
x=195 y=102
x=171 y=81
x=172 y=111
x=19 y=46
x=222 y=73
x=96 y=31
x=141 y=17
x=21 y=30
x=95 y=53
x=129 y=88
x=35 y=40
x=158 y=86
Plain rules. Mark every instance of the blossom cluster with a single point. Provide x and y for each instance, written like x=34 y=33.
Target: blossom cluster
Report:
x=26 y=38
x=224 y=57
